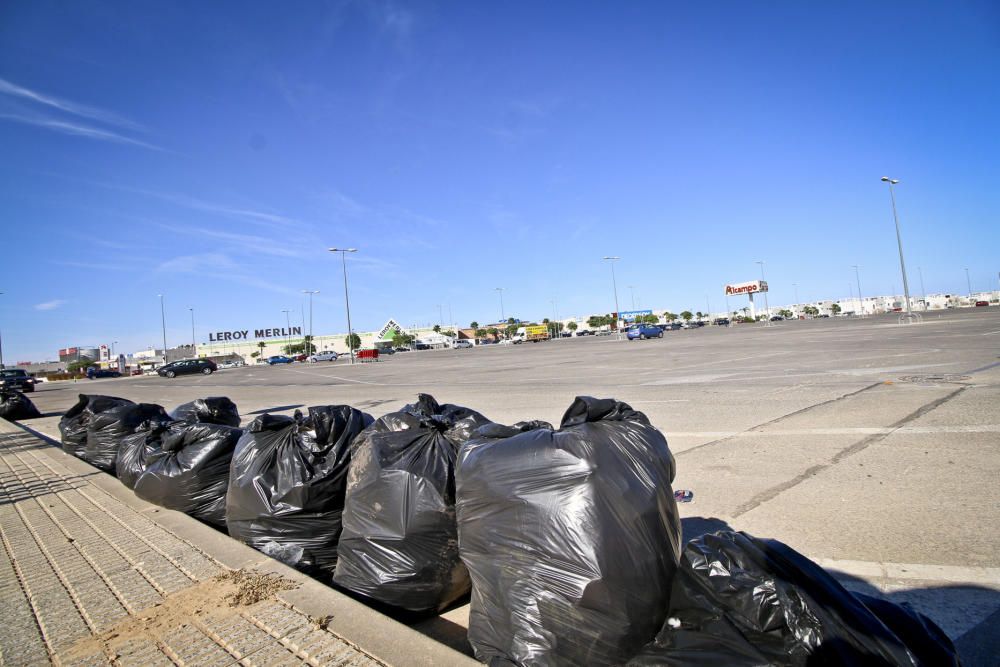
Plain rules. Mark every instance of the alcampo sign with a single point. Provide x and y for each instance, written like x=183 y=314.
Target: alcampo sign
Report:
x=244 y=334
x=747 y=288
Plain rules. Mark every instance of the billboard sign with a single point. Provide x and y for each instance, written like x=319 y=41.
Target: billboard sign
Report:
x=746 y=288
x=389 y=331
x=633 y=315
x=105 y=354
x=244 y=334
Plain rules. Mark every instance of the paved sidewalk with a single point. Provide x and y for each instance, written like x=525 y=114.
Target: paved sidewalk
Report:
x=91 y=575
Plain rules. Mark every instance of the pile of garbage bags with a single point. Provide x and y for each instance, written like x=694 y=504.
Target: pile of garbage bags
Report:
x=189 y=470
x=571 y=536
x=739 y=600
x=75 y=421
x=107 y=429
x=15 y=406
x=288 y=484
x=211 y=410
x=136 y=448
x=400 y=544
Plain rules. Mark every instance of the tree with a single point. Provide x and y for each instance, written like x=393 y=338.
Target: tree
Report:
x=595 y=321
x=572 y=326
x=698 y=314
x=254 y=355
x=686 y=316
x=786 y=313
x=649 y=319
x=79 y=365
x=493 y=331
x=262 y=345
x=835 y=309
x=510 y=330
x=811 y=310
x=352 y=341
x=669 y=317
x=480 y=333
x=437 y=328
x=450 y=333
x=403 y=339
x=474 y=324
x=308 y=346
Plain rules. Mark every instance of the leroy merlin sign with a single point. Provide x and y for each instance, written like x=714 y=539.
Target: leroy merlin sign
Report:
x=389 y=331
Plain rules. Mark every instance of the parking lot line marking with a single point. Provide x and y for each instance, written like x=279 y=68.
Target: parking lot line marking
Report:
x=334 y=377
x=859 y=430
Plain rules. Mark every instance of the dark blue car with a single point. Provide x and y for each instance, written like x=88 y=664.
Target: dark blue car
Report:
x=279 y=359
x=642 y=331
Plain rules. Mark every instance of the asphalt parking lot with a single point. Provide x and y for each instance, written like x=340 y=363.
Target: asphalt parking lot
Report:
x=871 y=447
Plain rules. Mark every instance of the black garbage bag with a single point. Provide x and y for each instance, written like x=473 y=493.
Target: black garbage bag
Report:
x=211 y=410
x=399 y=544
x=287 y=485
x=136 y=448
x=73 y=425
x=190 y=471
x=14 y=406
x=571 y=537
x=107 y=429
x=739 y=600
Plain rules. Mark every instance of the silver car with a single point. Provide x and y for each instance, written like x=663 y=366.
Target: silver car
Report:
x=323 y=356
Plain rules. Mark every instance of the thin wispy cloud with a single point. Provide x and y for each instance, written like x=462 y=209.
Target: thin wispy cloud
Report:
x=66 y=106
x=245 y=243
x=76 y=129
x=50 y=305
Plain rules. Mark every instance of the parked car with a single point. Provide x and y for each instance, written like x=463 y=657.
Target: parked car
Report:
x=604 y=332
x=421 y=346
x=721 y=321
x=981 y=304
x=300 y=357
x=463 y=345
x=17 y=378
x=401 y=349
x=323 y=356
x=93 y=373
x=278 y=359
x=672 y=326
x=777 y=318
x=584 y=332
x=187 y=367
x=692 y=324
x=234 y=363
x=643 y=331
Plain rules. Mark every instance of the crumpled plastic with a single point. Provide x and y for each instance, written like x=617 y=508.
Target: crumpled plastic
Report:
x=740 y=600
x=73 y=425
x=399 y=544
x=135 y=450
x=288 y=482
x=107 y=429
x=211 y=410
x=571 y=537
x=190 y=470
x=14 y=406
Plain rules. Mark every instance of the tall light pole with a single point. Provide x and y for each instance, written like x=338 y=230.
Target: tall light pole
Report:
x=499 y=290
x=767 y=308
x=614 y=284
x=922 y=290
x=899 y=242
x=192 y=330
x=347 y=300
x=312 y=343
x=968 y=282
x=857 y=276
x=163 y=324
x=631 y=290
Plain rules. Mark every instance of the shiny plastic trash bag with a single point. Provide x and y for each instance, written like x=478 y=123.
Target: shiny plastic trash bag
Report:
x=73 y=425
x=739 y=600
x=107 y=429
x=14 y=406
x=287 y=485
x=399 y=544
x=190 y=471
x=211 y=410
x=136 y=448
x=571 y=537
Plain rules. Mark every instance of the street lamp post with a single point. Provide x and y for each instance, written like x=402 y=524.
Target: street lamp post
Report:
x=347 y=300
x=631 y=290
x=899 y=242
x=922 y=290
x=192 y=330
x=767 y=308
x=614 y=284
x=968 y=283
x=499 y=290
x=795 y=286
x=312 y=343
x=857 y=276
x=163 y=325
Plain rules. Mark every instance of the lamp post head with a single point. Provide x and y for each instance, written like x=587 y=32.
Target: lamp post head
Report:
x=611 y=258
x=342 y=249
x=891 y=181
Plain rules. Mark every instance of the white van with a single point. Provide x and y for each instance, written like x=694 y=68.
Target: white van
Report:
x=462 y=344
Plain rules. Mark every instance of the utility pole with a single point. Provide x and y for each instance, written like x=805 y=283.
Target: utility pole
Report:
x=899 y=242
x=192 y=330
x=857 y=275
x=614 y=284
x=347 y=301
x=163 y=324
x=312 y=342
x=767 y=308
x=922 y=290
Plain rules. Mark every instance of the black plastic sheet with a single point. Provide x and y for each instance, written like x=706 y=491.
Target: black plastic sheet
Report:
x=14 y=406
x=739 y=600
x=135 y=450
x=190 y=470
x=571 y=537
x=399 y=544
x=211 y=410
x=73 y=425
x=288 y=482
x=107 y=429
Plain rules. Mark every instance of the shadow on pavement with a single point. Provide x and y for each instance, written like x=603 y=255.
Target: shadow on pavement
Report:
x=276 y=408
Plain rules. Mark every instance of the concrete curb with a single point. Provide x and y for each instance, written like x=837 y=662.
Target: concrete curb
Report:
x=373 y=633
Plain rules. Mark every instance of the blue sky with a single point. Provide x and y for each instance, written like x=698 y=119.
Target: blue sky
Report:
x=211 y=152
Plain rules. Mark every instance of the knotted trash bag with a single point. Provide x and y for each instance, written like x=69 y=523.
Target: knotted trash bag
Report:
x=107 y=429
x=190 y=471
x=571 y=537
x=399 y=545
x=14 y=406
x=740 y=600
x=73 y=425
x=287 y=485
x=136 y=448
x=211 y=410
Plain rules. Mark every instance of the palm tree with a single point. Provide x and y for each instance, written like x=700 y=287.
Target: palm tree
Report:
x=437 y=328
